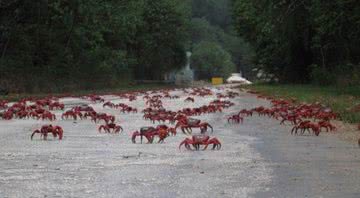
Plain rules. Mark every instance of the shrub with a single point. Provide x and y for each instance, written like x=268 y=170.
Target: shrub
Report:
x=347 y=75
x=209 y=59
x=322 y=76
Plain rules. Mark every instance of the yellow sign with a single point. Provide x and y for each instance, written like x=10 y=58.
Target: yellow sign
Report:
x=217 y=81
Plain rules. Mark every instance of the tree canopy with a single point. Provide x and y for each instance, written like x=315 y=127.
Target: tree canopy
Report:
x=218 y=51
x=297 y=39
x=212 y=60
x=59 y=45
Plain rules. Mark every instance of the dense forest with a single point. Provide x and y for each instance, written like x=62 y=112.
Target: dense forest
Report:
x=217 y=50
x=60 y=45
x=303 y=41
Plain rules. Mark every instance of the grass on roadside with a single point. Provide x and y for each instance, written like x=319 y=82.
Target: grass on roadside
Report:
x=120 y=89
x=341 y=99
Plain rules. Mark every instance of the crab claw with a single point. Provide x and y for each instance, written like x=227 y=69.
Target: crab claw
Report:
x=216 y=144
x=60 y=133
x=36 y=131
x=136 y=133
x=293 y=130
x=186 y=142
x=177 y=125
x=118 y=129
x=183 y=142
x=212 y=130
x=101 y=127
x=317 y=133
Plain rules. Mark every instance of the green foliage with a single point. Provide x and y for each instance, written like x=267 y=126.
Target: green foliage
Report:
x=60 y=45
x=321 y=76
x=290 y=36
x=347 y=75
x=210 y=60
x=211 y=23
x=201 y=30
x=341 y=75
x=162 y=38
x=215 y=11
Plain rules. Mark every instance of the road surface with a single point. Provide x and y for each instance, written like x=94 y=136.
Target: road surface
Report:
x=258 y=159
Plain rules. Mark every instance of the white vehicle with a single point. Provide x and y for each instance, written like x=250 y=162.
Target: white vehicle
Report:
x=237 y=78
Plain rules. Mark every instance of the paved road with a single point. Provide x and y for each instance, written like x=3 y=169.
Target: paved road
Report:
x=303 y=166
x=258 y=159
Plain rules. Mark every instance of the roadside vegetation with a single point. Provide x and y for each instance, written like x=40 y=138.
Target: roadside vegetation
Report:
x=61 y=45
x=303 y=41
x=342 y=100
x=310 y=49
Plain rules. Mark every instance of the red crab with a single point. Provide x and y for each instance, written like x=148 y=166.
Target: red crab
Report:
x=303 y=125
x=144 y=131
x=48 y=116
x=198 y=140
x=95 y=98
x=162 y=131
x=115 y=128
x=307 y=125
x=129 y=110
x=132 y=98
x=104 y=117
x=172 y=131
x=154 y=102
x=22 y=114
x=73 y=114
x=7 y=115
x=108 y=104
x=169 y=130
x=246 y=112
x=327 y=125
x=45 y=129
x=3 y=104
x=236 y=118
x=56 y=106
x=83 y=108
x=34 y=115
x=326 y=115
x=189 y=99
x=188 y=124
x=150 y=133
x=292 y=118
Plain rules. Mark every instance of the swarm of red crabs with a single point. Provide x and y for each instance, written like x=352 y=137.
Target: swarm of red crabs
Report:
x=47 y=108
x=304 y=118
x=311 y=118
